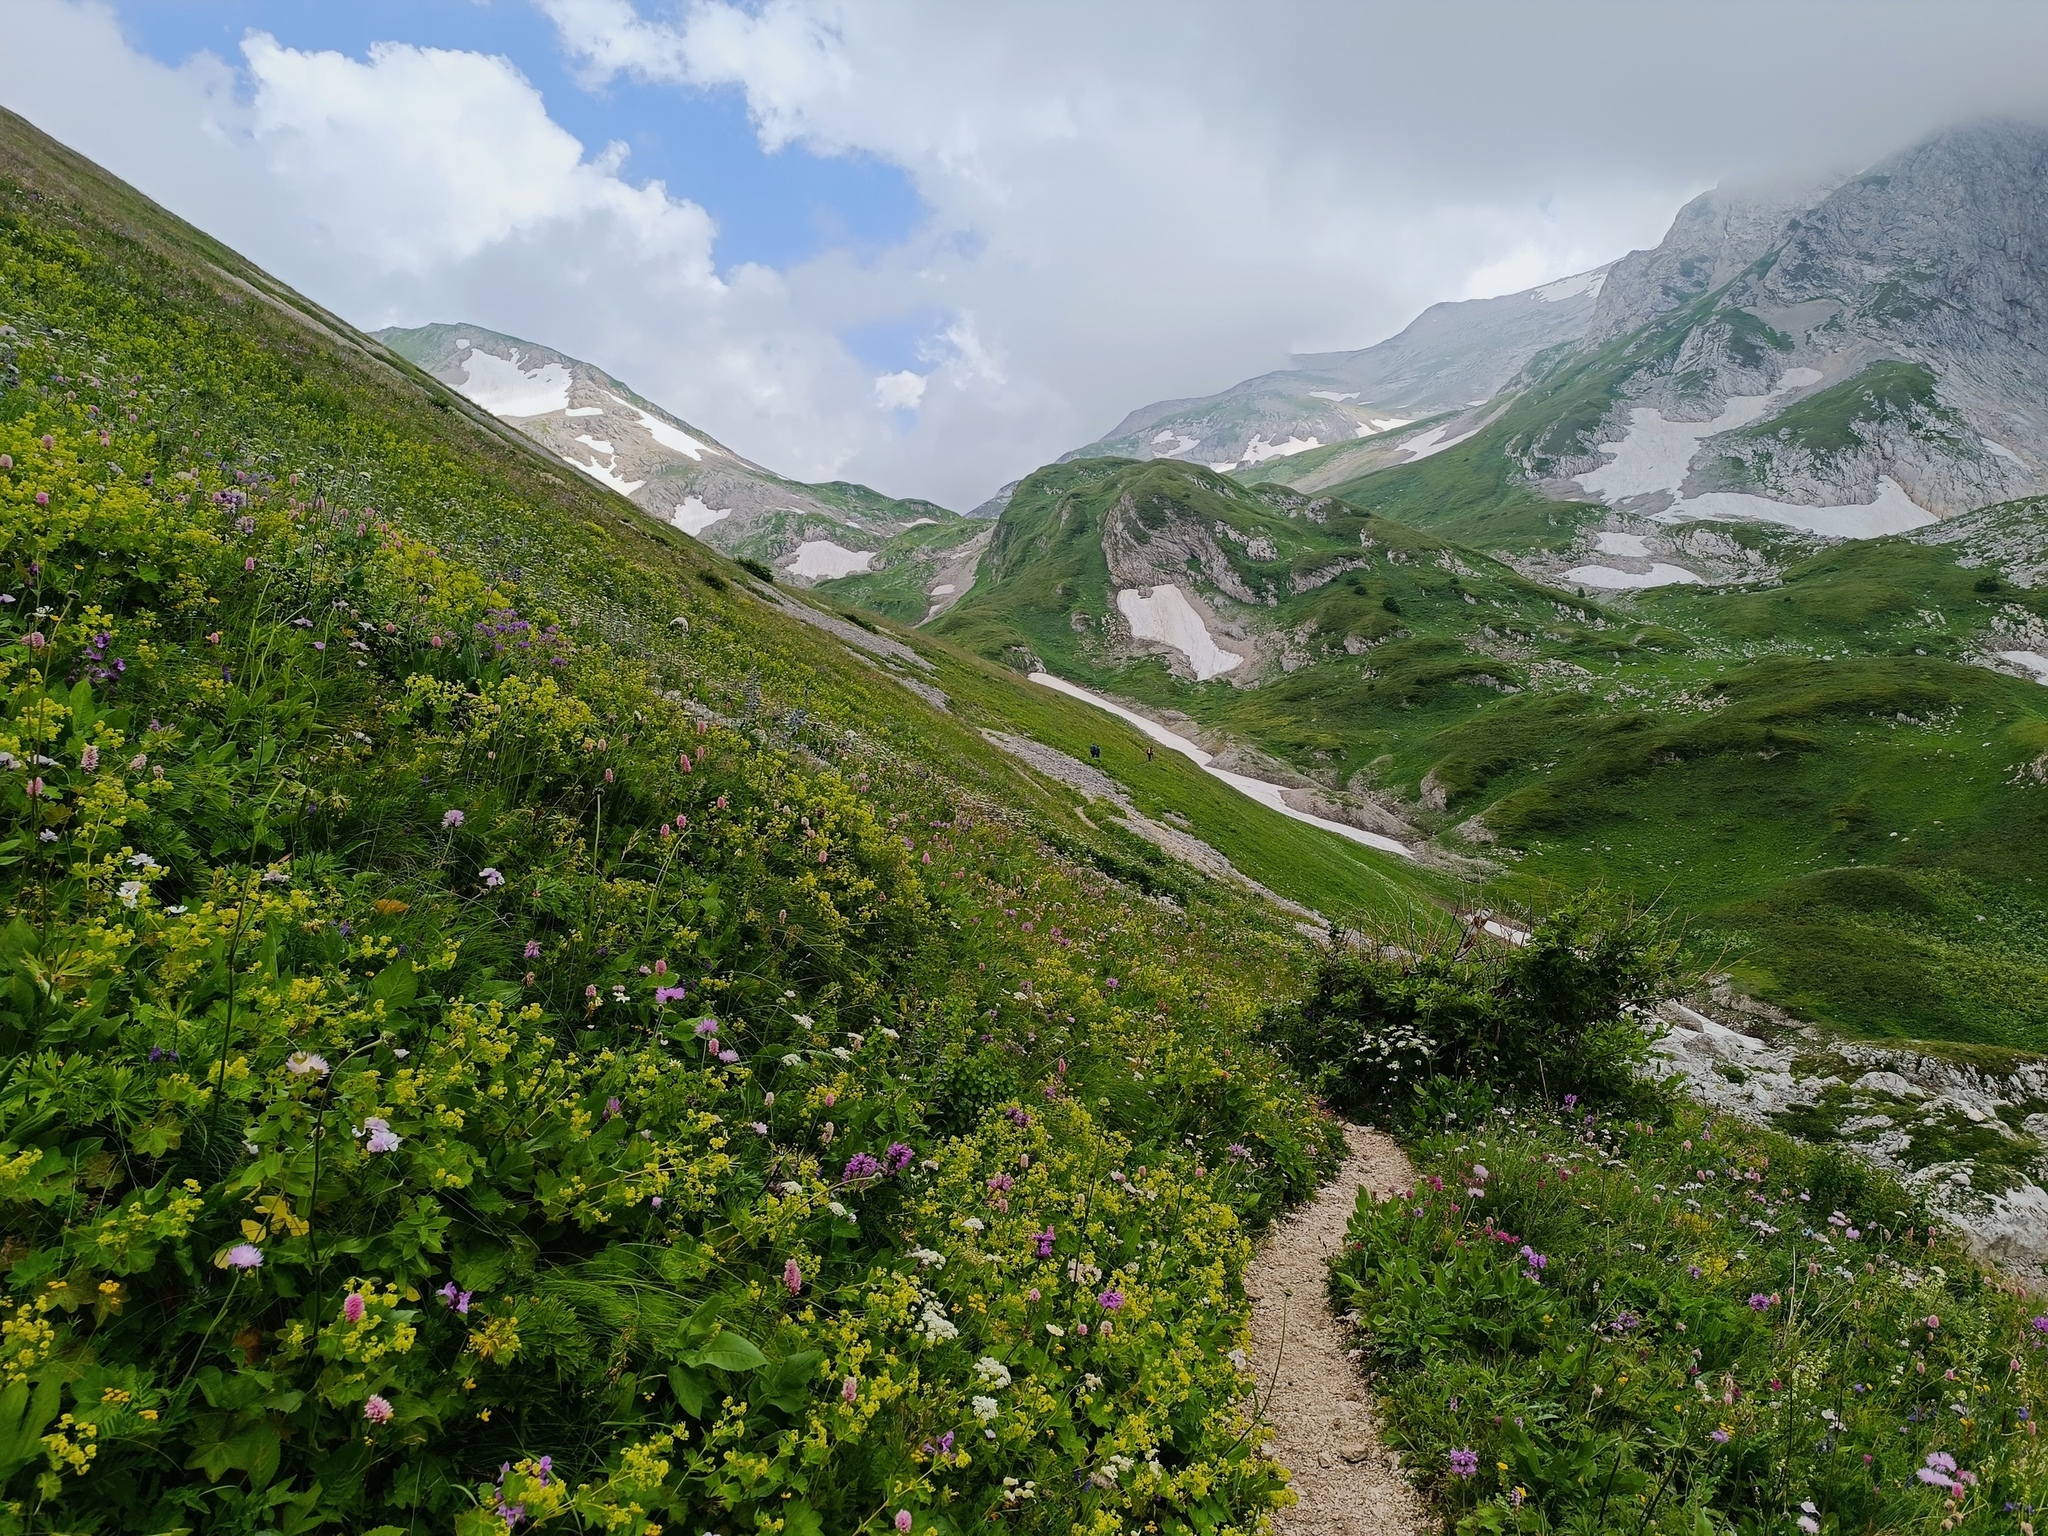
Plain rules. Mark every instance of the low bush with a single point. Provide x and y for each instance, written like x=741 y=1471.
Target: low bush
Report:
x=1528 y=1020
x=1581 y=1323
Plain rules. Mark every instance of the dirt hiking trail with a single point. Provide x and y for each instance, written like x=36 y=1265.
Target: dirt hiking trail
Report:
x=1324 y=1430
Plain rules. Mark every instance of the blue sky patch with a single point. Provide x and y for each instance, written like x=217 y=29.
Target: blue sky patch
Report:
x=776 y=210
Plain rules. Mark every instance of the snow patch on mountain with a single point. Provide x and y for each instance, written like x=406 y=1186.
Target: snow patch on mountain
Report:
x=503 y=388
x=693 y=516
x=1609 y=579
x=1423 y=444
x=822 y=560
x=1587 y=283
x=1893 y=512
x=2033 y=661
x=1165 y=615
x=1630 y=545
x=664 y=434
x=608 y=473
x=1656 y=454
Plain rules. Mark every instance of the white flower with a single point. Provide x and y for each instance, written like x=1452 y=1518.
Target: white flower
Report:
x=934 y=1326
x=973 y=1224
x=891 y=1034
x=129 y=890
x=306 y=1063
x=141 y=861
x=803 y=1019
x=928 y=1258
x=986 y=1408
x=991 y=1373
x=842 y=1053
x=792 y=1060
x=382 y=1137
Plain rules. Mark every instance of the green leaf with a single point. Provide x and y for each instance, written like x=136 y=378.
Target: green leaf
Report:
x=798 y=1519
x=730 y=1352
x=787 y=1383
x=23 y=1417
x=692 y=1390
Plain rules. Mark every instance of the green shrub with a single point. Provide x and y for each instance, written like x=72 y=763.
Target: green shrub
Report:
x=1558 y=1014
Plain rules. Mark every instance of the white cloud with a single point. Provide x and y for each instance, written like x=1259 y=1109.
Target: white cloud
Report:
x=900 y=391
x=1127 y=202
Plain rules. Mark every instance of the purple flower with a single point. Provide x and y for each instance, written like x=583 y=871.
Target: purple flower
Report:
x=1759 y=1302
x=663 y=996
x=860 y=1166
x=451 y=819
x=533 y=949
x=898 y=1157
x=1570 y=1099
x=707 y=1026
x=2039 y=1324
x=1044 y=1241
x=792 y=1276
x=1719 y=1437
x=491 y=877
x=728 y=1056
x=1626 y=1323
x=451 y=1297
x=1111 y=1301
x=382 y=1137
x=352 y=1308
x=904 y=1521
x=1464 y=1463
x=1020 y=1118
x=377 y=1410
x=611 y=1108
x=245 y=1256
x=1533 y=1259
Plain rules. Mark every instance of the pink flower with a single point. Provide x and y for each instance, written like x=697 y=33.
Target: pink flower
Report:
x=245 y=1256
x=34 y=640
x=377 y=1410
x=89 y=759
x=249 y=564
x=533 y=949
x=382 y=1137
x=793 y=1277
x=849 y=1389
x=352 y=1309
x=451 y=819
x=42 y=498
x=492 y=877
x=1933 y=1320
x=903 y=1521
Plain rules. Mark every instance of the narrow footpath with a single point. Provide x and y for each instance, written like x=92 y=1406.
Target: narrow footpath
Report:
x=1324 y=1430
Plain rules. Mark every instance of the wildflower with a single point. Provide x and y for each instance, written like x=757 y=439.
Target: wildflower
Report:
x=306 y=1064
x=1759 y=1302
x=1570 y=1099
x=491 y=877
x=707 y=1026
x=1933 y=1321
x=1111 y=1300
x=728 y=1056
x=129 y=891
x=377 y=1410
x=903 y=1521
x=991 y=1373
x=1719 y=1437
x=454 y=1299
x=849 y=1389
x=1808 y=1524
x=382 y=1137
x=611 y=1108
x=1464 y=1463
x=860 y=1166
x=352 y=1309
x=244 y=1256
x=451 y=819
x=985 y=1408
x=898 y=1157
x=89 y=759
x=1044 y=1241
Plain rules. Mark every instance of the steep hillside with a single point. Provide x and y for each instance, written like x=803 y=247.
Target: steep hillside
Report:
x=505 y=1018
x=903 y=558
x=1452 y=358
x=1871 y=362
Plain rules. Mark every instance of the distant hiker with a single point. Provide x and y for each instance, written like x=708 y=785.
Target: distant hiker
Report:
x=1148 y=751
x=1094 y=751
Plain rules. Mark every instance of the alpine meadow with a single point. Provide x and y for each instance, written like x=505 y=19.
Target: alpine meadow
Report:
x=555 y=978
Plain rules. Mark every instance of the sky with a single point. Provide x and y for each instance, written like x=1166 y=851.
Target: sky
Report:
x=931 y=246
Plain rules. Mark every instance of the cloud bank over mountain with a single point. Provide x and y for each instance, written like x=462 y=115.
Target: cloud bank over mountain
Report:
x=1125 y=203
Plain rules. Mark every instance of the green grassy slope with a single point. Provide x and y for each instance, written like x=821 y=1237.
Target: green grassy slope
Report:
x=1739 y=752
x=483 y=988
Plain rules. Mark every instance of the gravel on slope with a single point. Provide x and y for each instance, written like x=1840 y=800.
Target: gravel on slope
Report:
x=1324 y=1430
